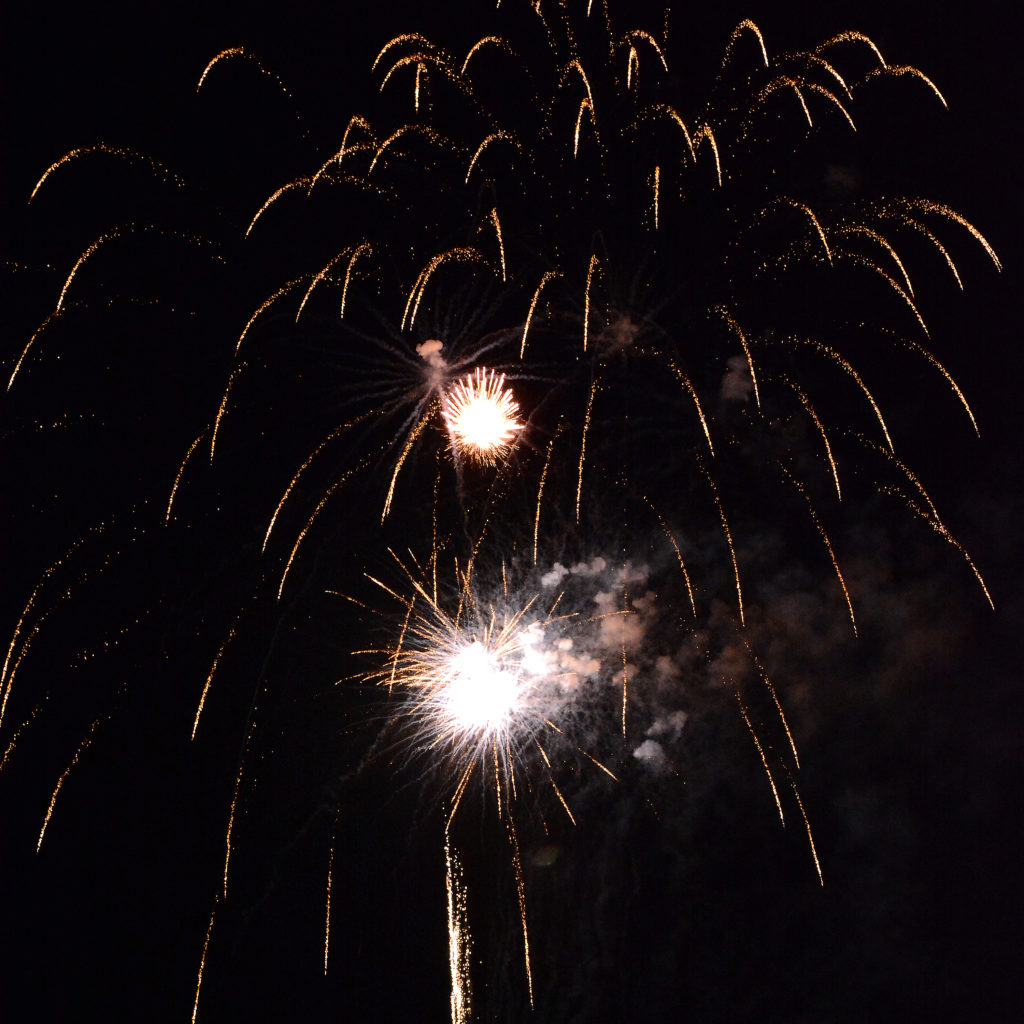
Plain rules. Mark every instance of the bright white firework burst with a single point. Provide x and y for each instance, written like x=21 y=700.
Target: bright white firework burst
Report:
x=481 y=413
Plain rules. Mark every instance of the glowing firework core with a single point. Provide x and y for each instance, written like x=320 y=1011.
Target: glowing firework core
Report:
x=480 y=412
x=479 y=694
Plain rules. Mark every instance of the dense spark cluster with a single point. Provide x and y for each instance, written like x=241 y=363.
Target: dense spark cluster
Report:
x=480 y=413
x=541 y=254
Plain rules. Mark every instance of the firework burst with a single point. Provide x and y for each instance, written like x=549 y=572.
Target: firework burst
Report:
x=537 y=262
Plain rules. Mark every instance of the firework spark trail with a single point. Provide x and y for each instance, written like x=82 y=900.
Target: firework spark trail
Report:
x=82 y=747
x=202 y=961
x=181 y=470
x=761 y=754
x=459 y=944
x=824 y=536
x=130 y=156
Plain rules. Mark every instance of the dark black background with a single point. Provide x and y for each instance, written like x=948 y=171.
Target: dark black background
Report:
x=705 y=911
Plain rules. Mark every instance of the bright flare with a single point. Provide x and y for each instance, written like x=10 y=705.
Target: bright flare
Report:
x=479 y=694
x=481 y=415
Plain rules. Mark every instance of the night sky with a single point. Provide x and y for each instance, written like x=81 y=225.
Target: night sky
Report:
x=676 y=895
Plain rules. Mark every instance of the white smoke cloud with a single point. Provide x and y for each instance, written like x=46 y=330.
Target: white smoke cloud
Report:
x=737 y=384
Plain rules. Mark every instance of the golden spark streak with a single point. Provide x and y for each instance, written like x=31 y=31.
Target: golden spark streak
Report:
x=583 y=445
x=24 y=352
x=270 y=300
x=407 y=37
x=129 y=155
x=533 y=305
x=298 y=183
x=804 y=208
x=806 y=402
x=831 y=96
x=673 y=115
x=213 y=669
x=685 y=381
x=327 y=914
x=639 y=33
x=863 y=261
x=749 y=26
x=18 y=732
x=181 y=470
x=585 y=105
x=931 y=207
x=731 y=321
x=60 y=782
x=828 y=543
x=116 y=233
x=657 y=182
x=493 y=137
x=309 y=522
x=807 y=826
x=833 y=354
x=905 y=69
x=501 y=245
x=625 y=685
x=222 y=408
x=764 y=760
x=521 y=893
x=632 y=64
x=458 y=936
x=295 y=479
x=919 y=227
x=202 y=962
x=728 y=536
x=860 y=229
x=775 y=697
x=594 y=262
x=679 y=556
x=496 y=40
x=852 y=37
x=460 y=254
x=704 y=132
x=409 y=442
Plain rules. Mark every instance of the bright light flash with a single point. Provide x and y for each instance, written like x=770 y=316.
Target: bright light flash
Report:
x=479 y=694
x=481 y=415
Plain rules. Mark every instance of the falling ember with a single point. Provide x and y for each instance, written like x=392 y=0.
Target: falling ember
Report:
x=481 y=415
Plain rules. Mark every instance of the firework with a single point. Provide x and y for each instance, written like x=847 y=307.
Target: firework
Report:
x=480 y=413
x=622 y=314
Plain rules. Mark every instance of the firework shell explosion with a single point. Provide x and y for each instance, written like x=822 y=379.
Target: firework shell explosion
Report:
x=547 y=382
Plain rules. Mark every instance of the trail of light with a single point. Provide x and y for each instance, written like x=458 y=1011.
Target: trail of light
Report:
x=459 y=944
x=213 y=669
x=583 y=445
x=202 y=962
x=130 y=155
x=298 y=183
x=685 y=381
x=284 y=289
x=521 y=893
x=82 y=747
x=728 y=536
x=764 y=760
x=806 y=402
x=905 y=69
x=533 y=305
x=731 y=321
x=181 y=470
x=807 y=826
x=824 y=536
x=309 y=522
x=679 y=556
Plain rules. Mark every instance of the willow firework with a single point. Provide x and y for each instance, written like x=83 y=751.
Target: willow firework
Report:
x=610 y=352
